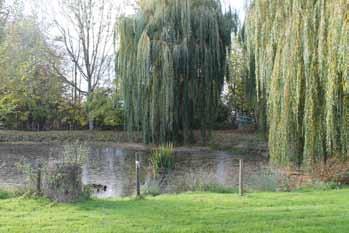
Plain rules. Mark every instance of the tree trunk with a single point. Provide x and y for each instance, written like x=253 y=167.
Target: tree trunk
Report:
x=90 y=122
x=89 y=96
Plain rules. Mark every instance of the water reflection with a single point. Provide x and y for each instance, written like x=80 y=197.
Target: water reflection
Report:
x=110 y=170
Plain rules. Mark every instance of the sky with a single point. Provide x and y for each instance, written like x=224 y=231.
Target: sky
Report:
x=47 y=10
x=239 y=5
x=35 y=4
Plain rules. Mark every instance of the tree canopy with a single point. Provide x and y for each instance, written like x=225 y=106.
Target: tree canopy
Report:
x=33 y=95
x=172 y=60
x=29 y=88
x=298 y=55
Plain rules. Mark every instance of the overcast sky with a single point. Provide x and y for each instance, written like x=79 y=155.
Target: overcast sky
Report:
x=239 y=5
x=47 y=10
x=37 y=4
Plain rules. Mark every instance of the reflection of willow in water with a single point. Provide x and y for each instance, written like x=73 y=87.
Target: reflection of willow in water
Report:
x=193 y=171
x=110 y=167
x=115 y=168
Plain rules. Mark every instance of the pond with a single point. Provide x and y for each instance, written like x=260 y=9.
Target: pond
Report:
x=110 y=168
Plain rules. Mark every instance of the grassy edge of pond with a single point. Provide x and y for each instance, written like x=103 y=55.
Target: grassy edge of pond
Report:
x=311 y=211
x=67 y=136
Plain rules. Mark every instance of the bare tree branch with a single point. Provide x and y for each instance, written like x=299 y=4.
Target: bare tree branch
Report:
x=87 y=36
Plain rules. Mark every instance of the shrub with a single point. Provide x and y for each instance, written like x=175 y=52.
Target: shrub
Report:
x=63 y=183
x=334 y=170
x=63 y=179
x=162 y=160
x=59 y=180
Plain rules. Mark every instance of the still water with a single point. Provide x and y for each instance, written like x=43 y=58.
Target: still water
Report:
x=111 y=168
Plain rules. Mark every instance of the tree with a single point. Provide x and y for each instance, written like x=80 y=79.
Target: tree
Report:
x=298 y=56
x=172 y=61
x=106 y=108
x=4 y=15
x=237 y=95
x=87 y=35
x=30 y=91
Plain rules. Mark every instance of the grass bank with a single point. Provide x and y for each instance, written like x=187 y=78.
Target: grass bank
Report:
x=237 y=142
x=315 y=211
x=67 y=136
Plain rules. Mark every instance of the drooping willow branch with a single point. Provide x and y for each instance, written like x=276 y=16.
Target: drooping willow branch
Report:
x=298 y=55
x=172 y=61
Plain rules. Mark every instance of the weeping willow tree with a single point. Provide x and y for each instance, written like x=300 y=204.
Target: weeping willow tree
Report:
x=172 y=60
x=298 y=55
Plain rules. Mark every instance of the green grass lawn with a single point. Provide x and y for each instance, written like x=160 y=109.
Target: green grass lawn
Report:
x=316 y=211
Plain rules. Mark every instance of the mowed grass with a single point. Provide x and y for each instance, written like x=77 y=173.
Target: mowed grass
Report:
x=316 y=211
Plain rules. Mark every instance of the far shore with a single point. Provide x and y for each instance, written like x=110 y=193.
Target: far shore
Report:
x=234 y=142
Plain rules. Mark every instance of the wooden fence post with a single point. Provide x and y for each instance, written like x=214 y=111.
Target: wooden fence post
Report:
x=38 y=180
x=241 y=180
x=138 y=185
